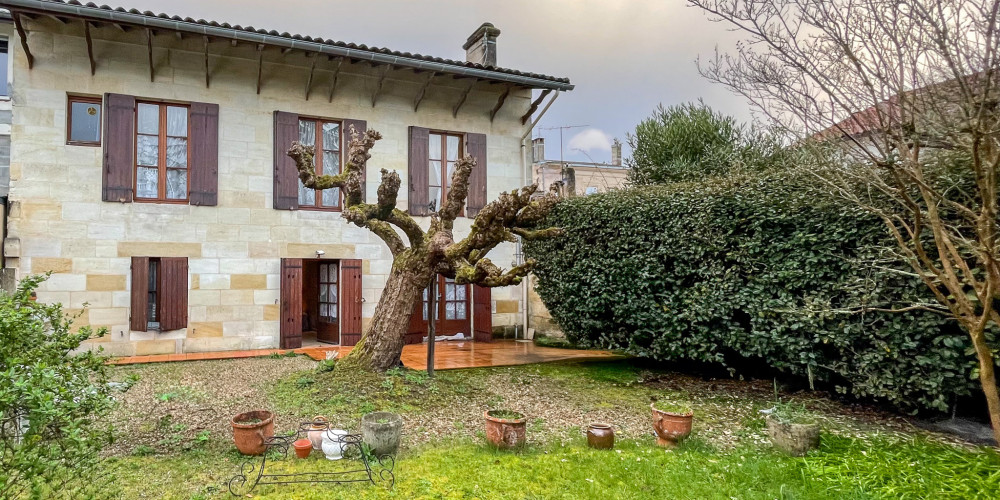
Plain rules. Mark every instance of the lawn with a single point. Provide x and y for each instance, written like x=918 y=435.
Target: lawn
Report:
x=174 y=439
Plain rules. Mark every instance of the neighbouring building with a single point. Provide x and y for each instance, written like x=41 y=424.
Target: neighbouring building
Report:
x=578 y=178
x=148 y=173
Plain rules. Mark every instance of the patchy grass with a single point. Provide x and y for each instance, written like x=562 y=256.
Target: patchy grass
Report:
x=863 y=453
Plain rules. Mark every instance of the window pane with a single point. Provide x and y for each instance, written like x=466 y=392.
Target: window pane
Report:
x=449 y=310
x=333 y=274
x=147 y=150
x=434 y=198
x=331 y=136
x=425 y=307
x=3 y=68
x=177 y=184
x=460 y=310
x=323 y=298
x=177 y=121
x=177 y=152
x=452 y=148
x=85 y=122
x=149 y=119
x=449 y=292
x=331 y=162
x=146 y=182
x=307 y=132
x=306 y=196
x=331 y=197
x=324 y=310
x=333 y=293
x=333 y=311
x=434 y=149
x=460 y=292
x=434 y=173
x=451 y=171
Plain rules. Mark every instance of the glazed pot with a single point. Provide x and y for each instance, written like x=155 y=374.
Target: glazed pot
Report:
x=600 y=436
x=671 y=427
x=303 y=447
x=505 y=433
x=333 y=444
x=793 y=438
x=381 y=431
x=251 y=429
x=316 y=430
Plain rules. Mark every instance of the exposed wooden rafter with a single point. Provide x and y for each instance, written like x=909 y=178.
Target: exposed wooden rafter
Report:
x=461 y=100
x=121 y=27
x=312 y=71
x=423 y=90
x=149 y=45
x=90 y=47
x=260 y=64
x=534 y=106
x=500 y=101
x=24 y=37
x=62 y=20
x=333 y=80
x=378 y=85
x=207 y=72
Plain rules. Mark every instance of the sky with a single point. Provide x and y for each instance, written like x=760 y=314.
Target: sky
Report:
x=624 y=56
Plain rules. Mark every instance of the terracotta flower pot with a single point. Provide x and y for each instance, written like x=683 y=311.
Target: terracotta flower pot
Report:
x=381 y=431
x=671 y=427
x=793 y=438
x=315 y=434
x=601 y=436
x=303 y=447
x=251 y=429
x=505 y=433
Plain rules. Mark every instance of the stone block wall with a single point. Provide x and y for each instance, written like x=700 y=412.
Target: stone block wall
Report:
x=58 y=223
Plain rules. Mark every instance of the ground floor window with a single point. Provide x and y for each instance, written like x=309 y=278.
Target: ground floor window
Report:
x=159 y=293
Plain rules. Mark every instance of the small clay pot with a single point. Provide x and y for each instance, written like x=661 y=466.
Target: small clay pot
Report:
x=793 y=438
x=671 y=427
x=600 y=436
x=250 y=437
x=303 y=447
x=315 y=434
x=505 y=433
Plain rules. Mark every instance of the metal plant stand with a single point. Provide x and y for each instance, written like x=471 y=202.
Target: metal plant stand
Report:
x=370 y=469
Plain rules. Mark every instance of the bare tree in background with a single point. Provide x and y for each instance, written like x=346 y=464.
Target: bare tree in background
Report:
x=429 y=253
x=906 y=92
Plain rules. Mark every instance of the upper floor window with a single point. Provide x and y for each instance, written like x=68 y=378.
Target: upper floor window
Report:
x=83 y=125
x=161 y=152
x=443 y=151
x=4 y=58
x=325 y=136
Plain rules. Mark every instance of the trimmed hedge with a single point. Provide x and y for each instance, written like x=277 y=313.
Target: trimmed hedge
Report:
x=752 y=272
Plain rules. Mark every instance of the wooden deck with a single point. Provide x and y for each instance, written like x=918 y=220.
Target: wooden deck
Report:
x=447 y=356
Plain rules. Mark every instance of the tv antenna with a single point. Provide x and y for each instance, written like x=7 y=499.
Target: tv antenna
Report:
x=560 y=129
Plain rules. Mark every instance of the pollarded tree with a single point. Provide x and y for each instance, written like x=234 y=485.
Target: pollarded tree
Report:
x=906 y=94
x=428 y=253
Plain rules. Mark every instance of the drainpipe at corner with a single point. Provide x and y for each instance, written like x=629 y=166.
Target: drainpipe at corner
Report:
x=525 y=175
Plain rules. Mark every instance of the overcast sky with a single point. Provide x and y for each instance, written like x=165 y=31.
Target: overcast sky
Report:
x=624 y=56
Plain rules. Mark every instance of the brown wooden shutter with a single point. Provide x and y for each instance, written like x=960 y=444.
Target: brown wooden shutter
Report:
x=140 y=294
x=173 y=293
x=203 y=172
x=360 y=126
x=417 y=330
x=482 y=314
x=350 y=301
x=286 y=177
x=419 y=179
x=119 y=147
x=291 y=311
x=475 y=146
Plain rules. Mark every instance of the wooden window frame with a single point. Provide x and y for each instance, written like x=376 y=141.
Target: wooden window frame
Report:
x=318 y=161
x=161 y=158
x=445 y=179
x=336 y=285
x=69 y=119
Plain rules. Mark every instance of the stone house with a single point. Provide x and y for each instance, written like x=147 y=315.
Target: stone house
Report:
x=579 y=178
x=148 y=173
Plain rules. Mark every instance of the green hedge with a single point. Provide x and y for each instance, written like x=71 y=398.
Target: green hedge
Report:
x=750 y=272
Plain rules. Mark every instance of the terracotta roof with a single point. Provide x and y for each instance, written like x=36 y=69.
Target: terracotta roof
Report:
x=294 y=41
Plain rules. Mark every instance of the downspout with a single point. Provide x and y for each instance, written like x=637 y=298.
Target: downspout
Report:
x=525 y=175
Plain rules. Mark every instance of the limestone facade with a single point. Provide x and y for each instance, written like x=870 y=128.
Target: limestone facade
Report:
x=57 y=222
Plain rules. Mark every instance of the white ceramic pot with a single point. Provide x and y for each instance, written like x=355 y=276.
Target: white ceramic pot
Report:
x=333 y=444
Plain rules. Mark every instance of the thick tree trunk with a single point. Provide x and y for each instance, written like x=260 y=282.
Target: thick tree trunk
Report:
x=381 y=345
x=987 y=378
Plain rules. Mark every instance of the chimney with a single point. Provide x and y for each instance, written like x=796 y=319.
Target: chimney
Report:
x=616 y=153
x=481 y=47
x=538 y=149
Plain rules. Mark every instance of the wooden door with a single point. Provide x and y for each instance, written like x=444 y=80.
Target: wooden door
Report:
x=350 y=301
x=482 y=314
x=328 y=304
x=453 y=311
x=290 y=329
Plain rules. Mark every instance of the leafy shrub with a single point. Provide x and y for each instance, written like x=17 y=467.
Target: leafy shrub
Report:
x=51 y=401
x=759 y=272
